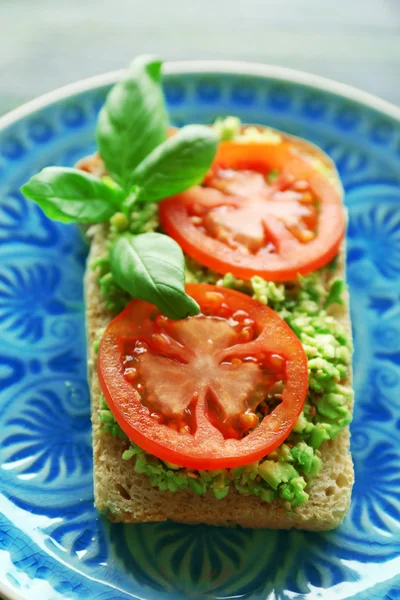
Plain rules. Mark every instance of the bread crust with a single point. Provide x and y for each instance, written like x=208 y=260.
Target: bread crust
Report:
x=124 y=495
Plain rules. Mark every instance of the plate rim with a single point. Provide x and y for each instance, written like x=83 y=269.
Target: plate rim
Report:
x=188 y=67
x=222 y=67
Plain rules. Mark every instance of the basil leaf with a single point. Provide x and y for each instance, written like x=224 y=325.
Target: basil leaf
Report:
x=70 y=195
x=150 y=266
x=176 y=165
x=133 y=120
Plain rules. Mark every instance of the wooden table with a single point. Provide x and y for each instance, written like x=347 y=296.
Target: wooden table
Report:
x=48 y=43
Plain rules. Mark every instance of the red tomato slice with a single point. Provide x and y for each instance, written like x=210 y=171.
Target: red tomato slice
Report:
x=239 y=223
x=194 y=392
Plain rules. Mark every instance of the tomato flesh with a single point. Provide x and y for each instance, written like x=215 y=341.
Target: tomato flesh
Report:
x=241 y=223
x=218 y=390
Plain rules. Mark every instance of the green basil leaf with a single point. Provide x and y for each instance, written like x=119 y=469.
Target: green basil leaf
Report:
x=70 y=195
x=150 y=266
x=133 y=120
x=176 y=165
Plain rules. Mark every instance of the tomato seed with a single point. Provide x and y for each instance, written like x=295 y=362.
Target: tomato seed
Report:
x=249 y=322
x=131 y=373
x=236 y=362
x=224 y=310
x=161 y=320
x=157 y=417
x=307 y=198
x=214 y=299
x=248 y=420
x=222 y=235
x=277 y=362
x=240 y=315
x=301 y=185
x=246 y=334
x=185 y=429
x=305 y=235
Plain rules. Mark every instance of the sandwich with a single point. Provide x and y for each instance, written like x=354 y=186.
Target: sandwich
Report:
x=218 y=331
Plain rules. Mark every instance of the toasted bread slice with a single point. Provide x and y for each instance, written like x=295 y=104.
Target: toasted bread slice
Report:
x=124 y=495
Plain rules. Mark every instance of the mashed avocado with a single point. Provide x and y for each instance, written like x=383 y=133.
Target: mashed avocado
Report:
x=230 y=128
x=284 y=474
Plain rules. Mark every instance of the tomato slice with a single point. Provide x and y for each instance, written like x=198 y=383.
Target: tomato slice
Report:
x=239 y=223
x=221 y=389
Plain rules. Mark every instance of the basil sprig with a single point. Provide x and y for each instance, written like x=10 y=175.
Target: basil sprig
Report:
x=145 y=166
x=150 y=266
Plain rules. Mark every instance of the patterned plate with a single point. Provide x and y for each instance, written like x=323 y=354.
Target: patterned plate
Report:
x=53 y=544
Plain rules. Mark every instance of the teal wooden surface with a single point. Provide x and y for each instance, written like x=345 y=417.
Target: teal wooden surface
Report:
x=48 y=43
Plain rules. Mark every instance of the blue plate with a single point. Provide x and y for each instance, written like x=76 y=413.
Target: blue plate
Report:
x=53 y=543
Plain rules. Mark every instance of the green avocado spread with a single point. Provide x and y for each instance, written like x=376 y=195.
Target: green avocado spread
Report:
x=308 y=307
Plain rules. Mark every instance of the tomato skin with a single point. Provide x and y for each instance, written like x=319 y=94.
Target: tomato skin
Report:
x=206 y=448
x=295 y=258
